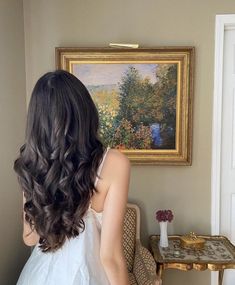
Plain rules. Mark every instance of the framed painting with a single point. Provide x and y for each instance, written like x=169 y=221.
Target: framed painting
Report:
x=143 y=96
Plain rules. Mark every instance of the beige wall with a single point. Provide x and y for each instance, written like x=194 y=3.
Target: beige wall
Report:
x=12 y=121
x=185 y=190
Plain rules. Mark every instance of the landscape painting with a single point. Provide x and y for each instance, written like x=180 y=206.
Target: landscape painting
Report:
x=143 y=97
x=136 y=102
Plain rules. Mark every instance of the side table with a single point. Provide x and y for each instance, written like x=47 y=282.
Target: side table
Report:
x=218 y=254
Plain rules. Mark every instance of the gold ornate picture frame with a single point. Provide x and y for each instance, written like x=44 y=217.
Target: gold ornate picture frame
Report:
x=143 y=96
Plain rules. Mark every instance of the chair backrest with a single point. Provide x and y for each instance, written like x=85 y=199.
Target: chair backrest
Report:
x=131 y=233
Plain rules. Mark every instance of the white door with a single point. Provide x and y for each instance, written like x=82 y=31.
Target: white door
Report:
x=227 y=190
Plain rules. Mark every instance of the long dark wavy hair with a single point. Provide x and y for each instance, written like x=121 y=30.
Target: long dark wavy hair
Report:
x=58 y=162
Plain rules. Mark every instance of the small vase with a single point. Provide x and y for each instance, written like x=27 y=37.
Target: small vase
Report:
x=163 y=234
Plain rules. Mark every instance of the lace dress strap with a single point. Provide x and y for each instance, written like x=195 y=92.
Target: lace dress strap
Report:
x=101 y=165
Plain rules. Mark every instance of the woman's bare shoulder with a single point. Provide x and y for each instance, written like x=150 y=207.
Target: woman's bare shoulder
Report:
x=116 y=167
x=117 y=159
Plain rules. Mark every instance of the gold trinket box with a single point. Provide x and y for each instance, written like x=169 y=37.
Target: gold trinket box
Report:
x=191 y=241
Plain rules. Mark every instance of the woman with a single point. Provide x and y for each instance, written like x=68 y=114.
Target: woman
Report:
x=74 y=191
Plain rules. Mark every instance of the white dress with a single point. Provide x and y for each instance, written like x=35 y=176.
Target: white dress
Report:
x=77 y=262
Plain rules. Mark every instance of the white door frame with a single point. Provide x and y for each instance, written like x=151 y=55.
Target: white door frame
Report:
x=223 y=22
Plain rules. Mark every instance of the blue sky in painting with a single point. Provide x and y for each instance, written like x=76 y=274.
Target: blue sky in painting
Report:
x=106 y=74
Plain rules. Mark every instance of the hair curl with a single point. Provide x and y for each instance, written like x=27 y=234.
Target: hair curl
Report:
x=58 y=162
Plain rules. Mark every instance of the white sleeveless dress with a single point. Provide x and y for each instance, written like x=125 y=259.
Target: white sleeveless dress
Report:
x=77 y=262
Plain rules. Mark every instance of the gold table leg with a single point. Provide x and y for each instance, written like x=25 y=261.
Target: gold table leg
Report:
x=221 y=275
x=159 y=270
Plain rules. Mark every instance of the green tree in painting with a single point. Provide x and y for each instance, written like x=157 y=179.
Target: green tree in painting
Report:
x=134 y=116
x=135 y=98
x=165 y=92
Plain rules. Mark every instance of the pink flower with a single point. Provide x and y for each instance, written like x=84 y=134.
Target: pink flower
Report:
x=164 y=215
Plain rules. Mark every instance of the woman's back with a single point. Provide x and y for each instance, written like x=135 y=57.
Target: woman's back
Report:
x=76 y=262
